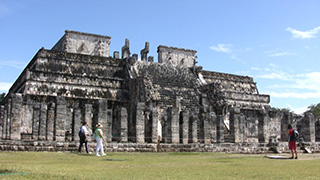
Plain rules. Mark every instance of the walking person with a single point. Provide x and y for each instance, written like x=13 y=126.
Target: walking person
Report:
x=100 y=139
x=292 y=142
x=83 y=133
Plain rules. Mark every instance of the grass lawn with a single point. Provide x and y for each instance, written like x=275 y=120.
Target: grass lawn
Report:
x=58 y=165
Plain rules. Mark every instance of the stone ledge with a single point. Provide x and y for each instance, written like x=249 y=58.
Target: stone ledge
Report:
x=252 y=148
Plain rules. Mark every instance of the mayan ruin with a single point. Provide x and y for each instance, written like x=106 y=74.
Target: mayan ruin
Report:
x=137 y=100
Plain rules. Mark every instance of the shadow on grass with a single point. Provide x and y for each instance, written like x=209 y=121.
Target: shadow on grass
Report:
x=114 y=160
x=6 y=172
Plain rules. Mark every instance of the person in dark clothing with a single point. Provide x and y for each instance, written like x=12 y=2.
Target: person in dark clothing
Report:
x=83 y=133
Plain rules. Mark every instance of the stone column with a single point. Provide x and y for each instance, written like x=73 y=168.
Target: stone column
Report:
x=194 y=128
x=140 y=123
x=220 y=128
x=43 y=122
x=50 y=122
x=103 y=115
x=16 y=114
x=155 y=119
x=206 y=128
x=36 y=122
x=1 y=120
x=235 y=125
x=77 y=116
x=263 y=134
x=60 y=118
x=185 y=127
x=174 y=119
x=123 y=115
x=284 y=126
x=88 y=118
x=243 y=129
x=213 y=123
x=109 y=126
x=8 y=119
x=307 y=128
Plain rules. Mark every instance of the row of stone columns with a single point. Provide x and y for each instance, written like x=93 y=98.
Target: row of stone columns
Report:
x=51 y=122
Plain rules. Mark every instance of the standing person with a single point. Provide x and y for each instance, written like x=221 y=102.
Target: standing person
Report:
x=83 y=133
x=100 y=139
x=292 y=142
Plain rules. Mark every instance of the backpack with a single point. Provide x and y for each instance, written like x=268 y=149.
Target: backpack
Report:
x=81 y=135
x=295 y=135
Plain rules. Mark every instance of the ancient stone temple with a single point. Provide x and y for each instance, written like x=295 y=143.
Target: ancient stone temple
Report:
x=137 y=101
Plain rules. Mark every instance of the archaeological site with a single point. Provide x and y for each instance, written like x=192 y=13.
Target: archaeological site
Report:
x=140 y=103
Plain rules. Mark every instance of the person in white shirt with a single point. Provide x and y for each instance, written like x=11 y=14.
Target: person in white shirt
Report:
x=83 y=133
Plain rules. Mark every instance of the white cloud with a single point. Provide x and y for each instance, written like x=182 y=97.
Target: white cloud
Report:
x=224 y=48
x=298 y=110
x=13 y=63
x=298 y=86
x=304 y=34
x=5 y=86
x=281 y=54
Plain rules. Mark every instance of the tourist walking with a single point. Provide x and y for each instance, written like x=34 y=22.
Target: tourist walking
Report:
x=83 y=134
x=292 y=142
x=100 y=139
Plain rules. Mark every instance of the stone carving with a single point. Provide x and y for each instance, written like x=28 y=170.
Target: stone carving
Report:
x=144 y=52
x=125 y=50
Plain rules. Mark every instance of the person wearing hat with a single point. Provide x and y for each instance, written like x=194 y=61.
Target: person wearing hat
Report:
x=100 y=139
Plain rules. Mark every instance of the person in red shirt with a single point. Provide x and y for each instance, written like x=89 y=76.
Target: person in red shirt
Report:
x=292 y=142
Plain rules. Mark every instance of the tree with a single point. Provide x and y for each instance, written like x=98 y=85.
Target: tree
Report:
x=314 y=109
x=2 y=95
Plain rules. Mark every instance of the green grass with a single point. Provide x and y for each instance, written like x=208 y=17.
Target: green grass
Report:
x=54 y=165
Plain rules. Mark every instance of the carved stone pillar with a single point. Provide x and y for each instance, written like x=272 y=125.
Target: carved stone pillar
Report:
x=220 y=128
x=126 y=50
x=144 y=52
x=213 y=123
x=155 y=119
x=194 y=125
x=103 y=115
x=109 y=126
x=61 y=111
x=50 y=122
x=1 y=120
x=77 y=116
x=306 y=128
x=16 y=113
x=185 y=127
x=263 y=134
x=206 y=128
x=123 y=115
x=174 y=119
x=43 y=122
x=140 y=123
x=8 y=119
x=285 y=121
x=88 y=118
x=36 y=122
x=235 y=125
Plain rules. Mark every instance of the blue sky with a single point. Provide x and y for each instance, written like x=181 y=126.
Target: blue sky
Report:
x=277 y=42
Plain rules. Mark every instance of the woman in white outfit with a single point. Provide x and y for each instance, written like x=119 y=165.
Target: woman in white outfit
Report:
x=100 y=139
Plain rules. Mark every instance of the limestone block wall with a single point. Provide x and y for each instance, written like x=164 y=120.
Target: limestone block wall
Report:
x=78 y=76
x=84 y=43
x=176 y=56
